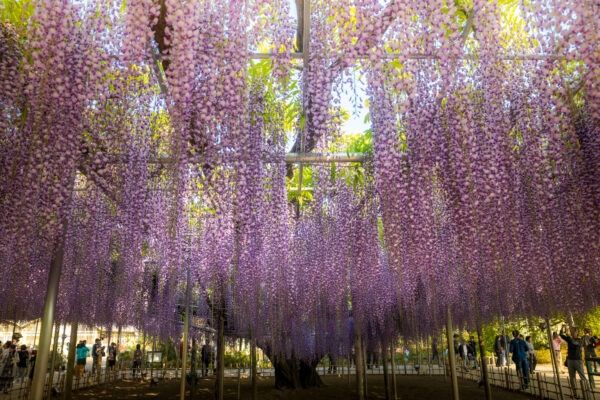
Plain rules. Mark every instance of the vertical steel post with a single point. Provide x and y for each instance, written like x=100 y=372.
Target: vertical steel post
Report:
x=253 y=370
x=358 y=361
x=71 y=361
x=451 y=356
x=484 y=369
x=186 y=325
x=39 y=374
x=393 y=353
x=43 y=351
x=554 y=360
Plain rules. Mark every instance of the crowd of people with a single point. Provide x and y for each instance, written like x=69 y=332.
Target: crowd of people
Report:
x=16 y=362
x=525 y=359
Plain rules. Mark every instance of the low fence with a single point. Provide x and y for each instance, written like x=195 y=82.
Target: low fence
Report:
x=542 y=385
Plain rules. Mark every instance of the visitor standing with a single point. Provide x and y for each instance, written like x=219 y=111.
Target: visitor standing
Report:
x=556 y=343
x=473 y=351
x=97 y=350
x=463 y=354
x=137 y=360
x=23 y=357
x=205 y=358
x=499 y=351
x=82 y=354
x=590 y=342
x=574 y=360
x=456 y=346
x=32 y=364
x=112 y=356
x=531 y=355
x=435 y=354
x=505 y=345
x=9 y=365
x=519 y=350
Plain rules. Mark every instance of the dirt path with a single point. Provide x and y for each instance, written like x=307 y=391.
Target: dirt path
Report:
x=409 y=387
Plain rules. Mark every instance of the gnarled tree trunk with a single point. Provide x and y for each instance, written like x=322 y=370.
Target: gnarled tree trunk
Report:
x=291 y=373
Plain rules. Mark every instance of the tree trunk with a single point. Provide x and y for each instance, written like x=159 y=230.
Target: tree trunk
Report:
x=293 y=374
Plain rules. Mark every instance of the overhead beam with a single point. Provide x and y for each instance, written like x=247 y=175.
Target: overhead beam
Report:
x=419 y=56
x=317 y=158
x=290 y=158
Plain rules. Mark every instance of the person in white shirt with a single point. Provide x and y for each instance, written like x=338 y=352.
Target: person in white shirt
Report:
x=531 y=355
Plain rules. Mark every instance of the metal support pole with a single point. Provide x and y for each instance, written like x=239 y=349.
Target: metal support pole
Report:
x=365 y=380
x=118 y=349
x=386 y=380
x=152 y=358
x=221 y=349
x=484 y=369
x=53 y=359
x=451 y=356
x=554 y=361
x=71 y=361
x=253 y=370
x=358 y=361
x=237 y=364
x=393 y=353
x=186 y=325
x=39 y=374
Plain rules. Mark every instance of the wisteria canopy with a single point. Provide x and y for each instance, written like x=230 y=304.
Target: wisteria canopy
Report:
x=151 y=138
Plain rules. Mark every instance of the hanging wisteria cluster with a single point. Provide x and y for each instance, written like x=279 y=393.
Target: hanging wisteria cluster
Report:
x=486 y=165
x=145 y=142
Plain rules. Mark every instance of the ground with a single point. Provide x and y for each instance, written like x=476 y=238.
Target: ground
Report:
x=337 y=388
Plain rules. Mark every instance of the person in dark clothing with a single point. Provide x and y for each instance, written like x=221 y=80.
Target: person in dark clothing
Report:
x=205 y=358
x=22 y=358
x=499 y=351
x=473 y=351
x=456 y=344
x=435 y=354
x=502 y=344
x=589 y=348
x=32 y=364
x=519 y=350
x=574 y=361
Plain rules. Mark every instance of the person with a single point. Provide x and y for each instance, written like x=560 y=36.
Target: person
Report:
x=590 y=342
x=532 y=357
x=473 y=351
x=519 y=349
x=32 y=358
x=499 y=351
x=435 y=354
x=112 y=355
x=502 y=342
x=137 y=360
x=82 y=353
x=463 y=354
x=456 y=345
x=97 y=350
x=22 y=358
x=505 y=346
x=9 y=364
x=205 y=358
x=574 y=360
x=556 y=343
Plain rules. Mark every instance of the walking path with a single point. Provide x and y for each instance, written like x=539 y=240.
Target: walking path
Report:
x=542 y=385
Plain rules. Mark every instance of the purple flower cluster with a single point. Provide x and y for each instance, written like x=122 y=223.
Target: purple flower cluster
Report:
x=146 y=131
